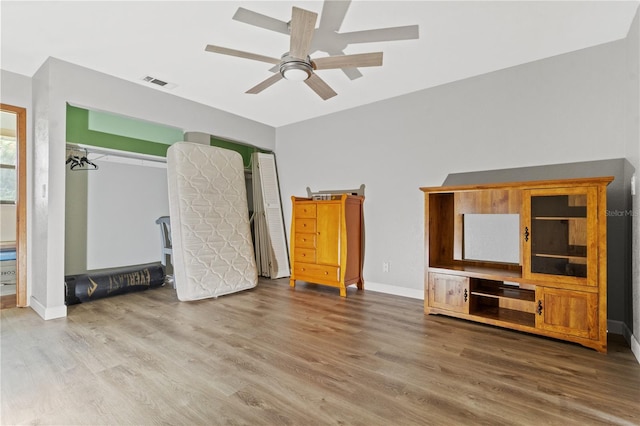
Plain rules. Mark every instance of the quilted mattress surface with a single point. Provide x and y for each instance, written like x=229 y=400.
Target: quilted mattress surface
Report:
x=212 y=246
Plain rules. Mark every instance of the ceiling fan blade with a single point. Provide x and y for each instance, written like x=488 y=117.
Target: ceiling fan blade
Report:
x=410 y=32
x=262 y=21
x=320 y=87
x=241 y=54
x=349 y=61
x=264 y=84
x=333 y=13
x=303 y=24
x=352 y=73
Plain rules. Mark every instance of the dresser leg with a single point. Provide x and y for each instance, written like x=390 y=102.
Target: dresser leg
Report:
x=343 y=291
x=360 y=284
x=292 y=282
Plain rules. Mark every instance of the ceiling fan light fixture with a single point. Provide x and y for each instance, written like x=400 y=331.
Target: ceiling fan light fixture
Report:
x=293 y=69
x=295 y=74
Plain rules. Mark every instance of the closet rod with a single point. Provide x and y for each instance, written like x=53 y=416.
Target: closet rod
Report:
x=116 y=153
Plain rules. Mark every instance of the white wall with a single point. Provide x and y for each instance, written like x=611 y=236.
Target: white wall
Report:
x=563 y=109
x=111 y=214
x=124 y=201
x=57 y=83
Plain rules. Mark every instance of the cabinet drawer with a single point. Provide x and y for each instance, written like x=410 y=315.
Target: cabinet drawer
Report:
x=322 y=272
x=305 y=210
x=305 y=225
x=305 y=255
x=305 y=240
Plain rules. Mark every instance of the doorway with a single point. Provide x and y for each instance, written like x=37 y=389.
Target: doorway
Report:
x=13 y=205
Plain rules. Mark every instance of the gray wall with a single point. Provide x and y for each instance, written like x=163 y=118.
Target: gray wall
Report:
x=568 y=108
x=632 y=153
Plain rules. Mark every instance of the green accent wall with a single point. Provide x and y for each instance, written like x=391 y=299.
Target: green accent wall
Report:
x=244 y=150
x=78 y=132
x=132 y=128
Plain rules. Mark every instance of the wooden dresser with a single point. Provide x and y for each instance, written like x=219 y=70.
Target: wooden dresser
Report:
x=326 y=241
x=551 y=278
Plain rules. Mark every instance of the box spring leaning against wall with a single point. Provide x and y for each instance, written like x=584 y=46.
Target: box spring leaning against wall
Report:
x=212 y=246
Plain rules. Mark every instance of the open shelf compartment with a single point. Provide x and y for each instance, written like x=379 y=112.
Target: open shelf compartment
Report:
x=499 y=301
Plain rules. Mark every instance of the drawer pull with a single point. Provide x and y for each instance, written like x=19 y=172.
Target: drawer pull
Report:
x=326 y=273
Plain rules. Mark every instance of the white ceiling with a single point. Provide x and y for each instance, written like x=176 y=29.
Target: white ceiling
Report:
x=166 y=40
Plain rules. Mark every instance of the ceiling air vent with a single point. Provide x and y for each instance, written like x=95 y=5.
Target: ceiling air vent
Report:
x=158 y=82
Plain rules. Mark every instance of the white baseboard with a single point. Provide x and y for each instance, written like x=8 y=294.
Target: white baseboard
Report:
x=48 y=313
x=394 y=290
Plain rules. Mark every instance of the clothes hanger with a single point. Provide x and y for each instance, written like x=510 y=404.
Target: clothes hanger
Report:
x=80 y=162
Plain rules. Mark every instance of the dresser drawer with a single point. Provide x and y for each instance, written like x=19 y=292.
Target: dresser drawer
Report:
x=305 y=225
x=305 y=210
x=311 y=272
x=305 y=240
x=305 y=255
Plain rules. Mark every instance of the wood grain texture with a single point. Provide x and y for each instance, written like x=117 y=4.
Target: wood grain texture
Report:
x=275 y=355
x=326 y=242
x=573 y=298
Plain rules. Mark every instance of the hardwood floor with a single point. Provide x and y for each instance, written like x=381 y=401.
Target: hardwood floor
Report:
x=303 y=356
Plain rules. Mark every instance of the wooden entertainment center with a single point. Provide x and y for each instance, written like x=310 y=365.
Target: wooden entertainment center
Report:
x=552 y=283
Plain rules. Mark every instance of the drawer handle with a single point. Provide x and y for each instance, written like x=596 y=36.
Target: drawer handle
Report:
x=326 y=273
x=304 y=255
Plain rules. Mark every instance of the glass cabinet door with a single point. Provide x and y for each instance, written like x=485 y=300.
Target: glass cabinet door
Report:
x=559 y=234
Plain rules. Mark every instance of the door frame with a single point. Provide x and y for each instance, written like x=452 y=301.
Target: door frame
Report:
x=21 y=203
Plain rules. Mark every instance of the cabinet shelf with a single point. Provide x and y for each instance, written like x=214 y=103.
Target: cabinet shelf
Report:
x=507 y=315
x=478 y=271
x=506 y=293
x=580 y=259
x=559 y=218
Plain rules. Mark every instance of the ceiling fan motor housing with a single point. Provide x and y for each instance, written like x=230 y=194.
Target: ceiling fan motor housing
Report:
x=295 y=69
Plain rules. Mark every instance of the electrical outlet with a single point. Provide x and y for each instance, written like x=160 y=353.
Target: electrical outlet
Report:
x=385 y=266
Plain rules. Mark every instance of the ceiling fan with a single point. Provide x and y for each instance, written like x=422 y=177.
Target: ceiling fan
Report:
x=328 y=36
x=296 y=64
